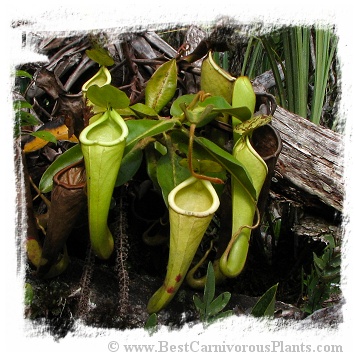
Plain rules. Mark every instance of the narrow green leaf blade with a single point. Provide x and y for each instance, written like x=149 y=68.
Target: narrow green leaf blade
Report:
x=44 y=135
x=218 y=304
x=200 y=306
x=21 y=104
x=209 y=291
x=21 y=73
x=266 y=304
x=319 y=262
x=236 y=169
x=275 y=70
x=26 y=118
x=129 y=166
x=241 y=113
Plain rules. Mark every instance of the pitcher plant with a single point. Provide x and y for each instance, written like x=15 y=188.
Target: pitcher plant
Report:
x=188 y=161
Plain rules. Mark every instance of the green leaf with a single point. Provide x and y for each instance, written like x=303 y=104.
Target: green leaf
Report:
x=335 y=262
x=26 y=118
x=126 y=112
x=319 y=262
x=152 y=155
x=266 y=304
x=100 y=56
x=202 y=160
x=29 y=294
x=151 y=323
x=267 y=44
x=161 y=86
x=326 y=44
x=170 y=173
x=69 y=157
x=331 y=241
x=209 y=291
x=331 y=274
x=175 y=109
x=219 y=103
x=21 y=104
x=199 y=304
x=129 y=166
x=236 y=169
x=143 y=128
x=107 y=96
x=240 y=113
x=218 y=304
x=143 y=111
x=21 y=73
x=203 y=166
x=45 y=135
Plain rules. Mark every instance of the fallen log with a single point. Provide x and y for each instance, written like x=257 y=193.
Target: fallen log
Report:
x=311 y=158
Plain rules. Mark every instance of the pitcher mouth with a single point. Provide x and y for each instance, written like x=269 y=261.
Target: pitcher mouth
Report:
x=102 y=77
x=187 y=211
x=76 y=181
x=103 y=139
x=271 y=145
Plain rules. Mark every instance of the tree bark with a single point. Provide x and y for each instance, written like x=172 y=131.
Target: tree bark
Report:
x=311 y=159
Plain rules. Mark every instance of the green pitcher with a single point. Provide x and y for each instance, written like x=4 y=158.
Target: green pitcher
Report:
x=102 y=144
x=192 y=205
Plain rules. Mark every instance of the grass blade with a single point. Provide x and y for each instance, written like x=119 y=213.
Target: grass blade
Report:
x=302 y=36
x=274 y=66
x=325 y=50
x=288 y=70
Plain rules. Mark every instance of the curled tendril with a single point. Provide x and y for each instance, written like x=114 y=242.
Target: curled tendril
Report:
x=235 y=236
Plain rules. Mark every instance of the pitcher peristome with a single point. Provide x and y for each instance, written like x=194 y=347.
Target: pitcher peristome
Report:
x=102 y=144
x=101 y=78
x=192 y=205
